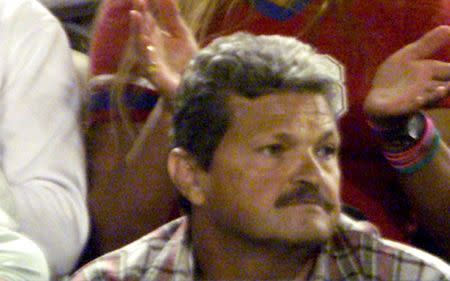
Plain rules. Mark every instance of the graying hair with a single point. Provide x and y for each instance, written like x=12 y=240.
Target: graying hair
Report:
x=250 y=66
x=254 y=65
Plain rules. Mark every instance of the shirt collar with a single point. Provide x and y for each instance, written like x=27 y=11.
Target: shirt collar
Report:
x=176 y=260
x=337 y=258
x=280 y=13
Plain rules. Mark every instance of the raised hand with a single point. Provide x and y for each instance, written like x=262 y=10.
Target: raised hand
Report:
x=409 y=81
x=162 y=41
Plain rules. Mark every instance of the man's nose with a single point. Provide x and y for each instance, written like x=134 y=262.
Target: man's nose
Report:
x=307 y=167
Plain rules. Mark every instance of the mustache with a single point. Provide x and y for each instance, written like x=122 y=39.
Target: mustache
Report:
x=305 y=192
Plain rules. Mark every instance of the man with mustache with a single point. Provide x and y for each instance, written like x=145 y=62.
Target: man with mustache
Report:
x=255 y=159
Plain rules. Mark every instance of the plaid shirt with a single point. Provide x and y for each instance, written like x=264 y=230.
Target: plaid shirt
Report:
x=355 y=252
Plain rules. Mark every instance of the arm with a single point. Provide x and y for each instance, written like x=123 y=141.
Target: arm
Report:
x=110 y=35
x=405 y=83
x=135 y=194
x=137 y=168
x=20 y=258
x=42 y=151
x=428 y=190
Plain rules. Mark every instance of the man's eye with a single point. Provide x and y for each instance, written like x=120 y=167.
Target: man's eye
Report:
x=272 y=149
x=327 y=151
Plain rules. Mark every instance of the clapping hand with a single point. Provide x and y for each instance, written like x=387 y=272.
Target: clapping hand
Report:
x=162 y=42
x=409 y=81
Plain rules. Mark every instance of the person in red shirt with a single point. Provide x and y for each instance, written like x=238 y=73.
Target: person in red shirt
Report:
x=361 y=34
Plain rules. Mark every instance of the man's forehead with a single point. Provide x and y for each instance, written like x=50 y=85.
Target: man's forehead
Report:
x=286 y=113
x=310 y=105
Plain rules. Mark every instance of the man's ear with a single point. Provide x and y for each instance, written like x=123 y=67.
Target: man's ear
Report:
x=186 y=174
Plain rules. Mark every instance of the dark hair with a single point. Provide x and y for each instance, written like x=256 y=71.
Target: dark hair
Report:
x=249 y=66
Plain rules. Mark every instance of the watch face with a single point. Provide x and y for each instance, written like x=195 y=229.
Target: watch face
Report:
x=405 y=135
x=416 y=126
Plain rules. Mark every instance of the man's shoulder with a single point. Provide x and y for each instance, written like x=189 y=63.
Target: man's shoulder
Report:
x=365 y=253
x=27 y=19
x=136 y=259
x=21 y=7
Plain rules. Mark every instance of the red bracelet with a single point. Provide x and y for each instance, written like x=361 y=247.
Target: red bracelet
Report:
x=410 y=158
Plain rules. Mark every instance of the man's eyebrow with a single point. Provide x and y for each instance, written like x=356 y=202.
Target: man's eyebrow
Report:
x=328 y=134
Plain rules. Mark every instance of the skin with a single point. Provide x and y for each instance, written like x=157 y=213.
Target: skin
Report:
x=116 y=177
x=423 y=82
x=276 y=145
x=140 y=163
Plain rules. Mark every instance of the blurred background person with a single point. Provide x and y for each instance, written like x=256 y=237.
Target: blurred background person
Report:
x=408 y=205
x=43 y=188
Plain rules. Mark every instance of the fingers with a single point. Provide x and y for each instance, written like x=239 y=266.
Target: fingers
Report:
x=433 y=94
x=142 y=30
x=428 y=44
x=139 y=28
x=138 y=5
x=153 y=7
x=143 y=24
x=167 y=15
x=135 y=19
x=440 y=70
x=406 y=98
x=409 y=80
x=170 y=18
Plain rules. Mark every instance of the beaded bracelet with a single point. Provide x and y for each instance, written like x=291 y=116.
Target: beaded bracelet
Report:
x=409 y=156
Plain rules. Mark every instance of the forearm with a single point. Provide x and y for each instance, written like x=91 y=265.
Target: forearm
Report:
x=138 y=173
x=42 y=150
x=416 y=150
x=137 y=161
x=407 y=83
x=429 y=193
x=48 y=194
x=128 y=184
x=137 y=153
x=56 y=220
x=414 y=147
x=428 y=188
x=441 y=119
x=20 y=258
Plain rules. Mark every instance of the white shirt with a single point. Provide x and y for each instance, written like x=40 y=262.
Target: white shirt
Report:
x=20 y=258
x=65 y=3
x=41 y=149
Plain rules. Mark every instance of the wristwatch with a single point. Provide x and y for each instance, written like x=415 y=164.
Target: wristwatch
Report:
x=406 y=135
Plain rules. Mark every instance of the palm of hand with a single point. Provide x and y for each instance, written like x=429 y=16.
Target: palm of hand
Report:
x=401 y=88
x=177 y=51
x=409 y=80
x=163 y=43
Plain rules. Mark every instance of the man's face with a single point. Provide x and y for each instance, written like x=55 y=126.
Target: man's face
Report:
x=275 y=175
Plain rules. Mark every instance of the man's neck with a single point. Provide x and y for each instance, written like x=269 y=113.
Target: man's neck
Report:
x=225 y=256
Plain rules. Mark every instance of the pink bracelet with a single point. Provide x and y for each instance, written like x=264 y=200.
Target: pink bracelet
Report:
x=410 y=159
